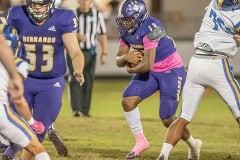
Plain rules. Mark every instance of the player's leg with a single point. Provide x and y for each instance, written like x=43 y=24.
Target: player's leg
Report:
x=140 y=87
x=4 y=143
x=49 y=97
x=171 y=85
x=228 y=88
x=12 y=148
x=18 y=132
x=34 y=149
x=192 y=94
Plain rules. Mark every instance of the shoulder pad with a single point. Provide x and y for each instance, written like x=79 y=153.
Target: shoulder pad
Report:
x=156 y=33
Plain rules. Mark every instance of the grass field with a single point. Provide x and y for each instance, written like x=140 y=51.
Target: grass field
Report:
x=106 y=136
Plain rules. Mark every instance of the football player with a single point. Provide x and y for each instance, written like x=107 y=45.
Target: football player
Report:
x=158 y=68
x=44 y=32
x=217 y=40
x=13 y=128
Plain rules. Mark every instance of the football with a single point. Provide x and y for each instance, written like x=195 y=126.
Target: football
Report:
x=131 y=65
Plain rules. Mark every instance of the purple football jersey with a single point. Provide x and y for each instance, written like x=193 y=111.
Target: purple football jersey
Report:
x=165 y=46
x=42 y=44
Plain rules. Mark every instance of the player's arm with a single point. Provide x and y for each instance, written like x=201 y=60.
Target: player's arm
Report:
x=7 y=58
x=150 y=42
x=23 y=110
x=76 y=55
x=21 y=104
x=124 y=56
x=121 y=59
x=146 y=64
x=15 y=86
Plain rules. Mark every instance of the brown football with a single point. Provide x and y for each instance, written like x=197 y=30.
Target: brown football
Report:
x=131 y=65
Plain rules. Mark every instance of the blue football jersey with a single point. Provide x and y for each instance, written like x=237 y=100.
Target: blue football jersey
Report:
x=42 y=45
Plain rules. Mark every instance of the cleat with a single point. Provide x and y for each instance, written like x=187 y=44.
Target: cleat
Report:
x=161 y=157
x=194 y=152
x=58 y=142
x=76 y=114
x=132 y=155
x=138 y=149
x=3 y=147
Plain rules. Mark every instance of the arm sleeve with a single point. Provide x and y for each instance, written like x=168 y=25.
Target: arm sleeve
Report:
x=148 y=44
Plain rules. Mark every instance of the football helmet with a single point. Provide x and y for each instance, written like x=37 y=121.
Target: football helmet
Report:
x=11 y=35
x=131 y=13
x=38 y=17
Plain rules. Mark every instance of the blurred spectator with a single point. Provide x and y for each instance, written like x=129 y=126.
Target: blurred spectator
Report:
x=4 y=5
x=17 y=2
x=112 y=31
x=68 y=4
x=91 y=28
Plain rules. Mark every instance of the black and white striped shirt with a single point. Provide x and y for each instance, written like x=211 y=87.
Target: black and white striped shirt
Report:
x=91 y=24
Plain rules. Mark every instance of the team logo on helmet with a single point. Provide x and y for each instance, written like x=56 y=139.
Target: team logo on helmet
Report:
x=131 y=14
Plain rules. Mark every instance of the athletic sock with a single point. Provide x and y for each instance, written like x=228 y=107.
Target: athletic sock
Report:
x=134 y=121
x=42 y=156
x=166 y=149
x=191 y=142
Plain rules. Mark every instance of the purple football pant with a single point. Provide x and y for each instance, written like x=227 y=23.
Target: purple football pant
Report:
x=45 y=99
x=168 y=83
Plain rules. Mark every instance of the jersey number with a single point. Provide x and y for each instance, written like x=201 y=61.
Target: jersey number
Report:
x=47 y=57
x=218 y=22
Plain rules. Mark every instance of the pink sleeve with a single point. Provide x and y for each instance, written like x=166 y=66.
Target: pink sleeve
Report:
x=148 y=44
x=122 y=43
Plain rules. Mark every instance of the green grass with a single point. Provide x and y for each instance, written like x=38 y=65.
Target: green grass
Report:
x=106 y=135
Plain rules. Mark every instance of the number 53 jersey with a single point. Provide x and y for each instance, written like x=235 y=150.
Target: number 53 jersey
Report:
x=42 y=45
x=220 y=23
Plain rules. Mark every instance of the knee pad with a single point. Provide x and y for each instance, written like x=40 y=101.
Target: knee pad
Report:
x=168 y=107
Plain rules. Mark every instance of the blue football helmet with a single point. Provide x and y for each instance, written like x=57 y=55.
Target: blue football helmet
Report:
x=11 y=36
x=131 y=13
x=38 y=17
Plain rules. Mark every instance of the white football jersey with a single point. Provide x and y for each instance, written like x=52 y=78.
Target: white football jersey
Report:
x=4 y=77
x=217 y=30
x=22 y=67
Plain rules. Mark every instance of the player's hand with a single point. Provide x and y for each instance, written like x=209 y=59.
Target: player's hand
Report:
x=15 y=88
x=38 y=127
x=79 y=77
x=236 y=37
x=134 y=57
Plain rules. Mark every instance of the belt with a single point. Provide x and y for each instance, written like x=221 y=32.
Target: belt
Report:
x=205 y=56
x=208 y=55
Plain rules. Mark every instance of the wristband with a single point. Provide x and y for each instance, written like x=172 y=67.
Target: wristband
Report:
x=31 y=121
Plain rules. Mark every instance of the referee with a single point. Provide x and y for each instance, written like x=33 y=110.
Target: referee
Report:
x=91 y=29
